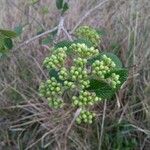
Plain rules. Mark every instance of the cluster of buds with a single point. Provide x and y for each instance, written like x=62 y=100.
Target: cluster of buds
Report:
x=85 y=98
x=63 y=74
x=57 y=59
x=83 y=50
x=55 y=102
x=79 y=73
x=69 y=84
x=100 y=68
x=113 y=80
x=85 y=117
x=50 y=88
x=89 y=34
x=75 y=75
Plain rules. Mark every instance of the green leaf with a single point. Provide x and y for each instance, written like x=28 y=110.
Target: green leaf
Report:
x=63 y=43
x=101 y=88
x=59 y=4
x=113 y=57
x=85 y=41
x=8 y=43
x=54 y=73
x=18 y=29
x=65 y=7
x=1 y=42
x=8 y=33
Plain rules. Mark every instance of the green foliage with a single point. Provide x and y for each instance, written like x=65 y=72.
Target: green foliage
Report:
x=120 y=138
x=61 y=5
x=101 y=88
x=6 y=40
x=86 y=75
x=64 y=43
x=65 y=7
x=8 y=43
x=8 y=33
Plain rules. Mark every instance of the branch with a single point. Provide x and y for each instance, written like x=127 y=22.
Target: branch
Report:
x=67 y=34
x=87 y=14
x=36 y=37
x=102 y=126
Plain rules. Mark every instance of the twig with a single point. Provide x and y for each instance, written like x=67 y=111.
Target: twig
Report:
x=36 y=37
x=102 y=126
x=60 y=26
x=87 y=14
x=77 y=113
x=67 y=34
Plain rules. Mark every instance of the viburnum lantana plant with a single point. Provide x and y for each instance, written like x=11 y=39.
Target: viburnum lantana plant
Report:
x=81 y=70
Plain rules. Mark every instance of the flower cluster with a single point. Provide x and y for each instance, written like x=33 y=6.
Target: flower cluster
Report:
x=50 y=88
x=89 y=34
x=74 y=77
x=83 y=50
x=100 y=68
x=57 y=59
x=79 y=73
x=113 y=80
x=69 y=84
x=63 y=74
x=85 y=98
x=85 y=117
x=55 y=102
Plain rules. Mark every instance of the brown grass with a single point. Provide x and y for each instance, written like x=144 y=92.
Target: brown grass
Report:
x=127 y=27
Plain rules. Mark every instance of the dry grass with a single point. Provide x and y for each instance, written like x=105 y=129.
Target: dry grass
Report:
x=26 y=122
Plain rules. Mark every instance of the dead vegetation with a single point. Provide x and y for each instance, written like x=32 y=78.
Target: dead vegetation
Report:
x=26 y=122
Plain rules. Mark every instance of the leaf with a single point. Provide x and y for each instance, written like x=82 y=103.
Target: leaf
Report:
x=8 y=43
x=65 y=7
x=8 y=33
x=85 y=41
x=63 y=43
x=54 y=73
x=113 y=57
x=18 y=29
x=1 y=42
x=101 y=88
x=59 y=4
